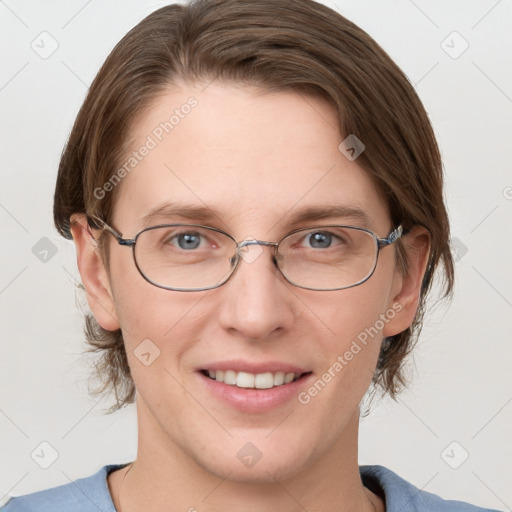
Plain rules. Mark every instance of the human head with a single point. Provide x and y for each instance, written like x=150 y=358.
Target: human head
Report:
x=298 y=46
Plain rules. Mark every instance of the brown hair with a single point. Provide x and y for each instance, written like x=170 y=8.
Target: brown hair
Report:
x=278 y=45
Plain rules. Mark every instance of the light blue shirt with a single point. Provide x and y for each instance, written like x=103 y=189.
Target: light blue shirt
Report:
x=91 y=494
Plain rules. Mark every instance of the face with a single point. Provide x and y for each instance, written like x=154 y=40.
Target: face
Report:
x=257 y=160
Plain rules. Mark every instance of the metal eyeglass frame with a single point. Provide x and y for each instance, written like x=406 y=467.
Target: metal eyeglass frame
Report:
x=393 y=236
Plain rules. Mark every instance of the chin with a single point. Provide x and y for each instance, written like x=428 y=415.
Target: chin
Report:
x=249 y=465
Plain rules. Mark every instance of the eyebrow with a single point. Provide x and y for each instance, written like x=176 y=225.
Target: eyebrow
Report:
x=299 y=216
x=347 y=212
x=189 y=212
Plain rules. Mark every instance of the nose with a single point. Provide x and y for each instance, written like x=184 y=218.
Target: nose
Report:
x=256 y=302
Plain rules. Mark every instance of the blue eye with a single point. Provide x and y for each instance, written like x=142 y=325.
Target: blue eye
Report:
x=320 y=240
x=189 y=241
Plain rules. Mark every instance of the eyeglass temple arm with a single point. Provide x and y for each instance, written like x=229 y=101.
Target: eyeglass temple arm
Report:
x=120 y=240
x=392 y=237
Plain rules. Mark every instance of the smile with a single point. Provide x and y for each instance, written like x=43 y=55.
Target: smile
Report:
x=265 y=380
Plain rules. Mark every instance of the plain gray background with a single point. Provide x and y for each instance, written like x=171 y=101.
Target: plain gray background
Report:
x=458 y=56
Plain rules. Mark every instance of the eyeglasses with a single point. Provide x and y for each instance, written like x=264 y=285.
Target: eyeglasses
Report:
x=193 y=257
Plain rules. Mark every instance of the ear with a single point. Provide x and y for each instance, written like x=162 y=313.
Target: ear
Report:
x=94 y=274
x=407 y=287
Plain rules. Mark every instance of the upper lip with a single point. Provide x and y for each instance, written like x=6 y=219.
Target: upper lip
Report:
x=240 y=365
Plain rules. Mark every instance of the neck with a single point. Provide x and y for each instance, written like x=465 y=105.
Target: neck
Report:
x=169 y=479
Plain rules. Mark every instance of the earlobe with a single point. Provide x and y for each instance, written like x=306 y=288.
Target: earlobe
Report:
x=94 y=274
x=407 y=293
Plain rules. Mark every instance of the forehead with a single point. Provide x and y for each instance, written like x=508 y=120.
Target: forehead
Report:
x=247 y=156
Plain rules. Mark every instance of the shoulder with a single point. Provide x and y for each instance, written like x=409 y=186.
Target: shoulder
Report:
x=82 y=495
x=400 y=495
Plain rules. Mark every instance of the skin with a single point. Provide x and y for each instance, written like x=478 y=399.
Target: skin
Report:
x=256 y=158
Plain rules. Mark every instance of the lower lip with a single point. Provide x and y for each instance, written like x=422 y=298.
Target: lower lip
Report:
x=254 y=400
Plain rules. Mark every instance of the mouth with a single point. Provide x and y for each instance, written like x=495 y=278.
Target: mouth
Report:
x=251 y=386
x=246 y=380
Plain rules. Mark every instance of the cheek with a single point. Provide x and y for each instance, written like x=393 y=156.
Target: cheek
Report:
x=354 y=318
x=348 y=353
x=153 y=320
x=355 y=315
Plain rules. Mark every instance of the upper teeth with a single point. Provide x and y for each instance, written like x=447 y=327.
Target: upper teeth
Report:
x=250 y=380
